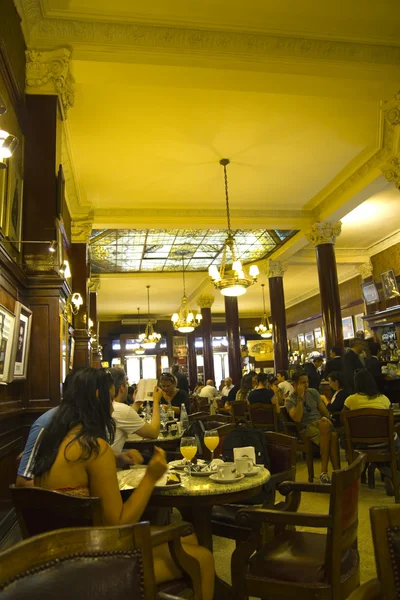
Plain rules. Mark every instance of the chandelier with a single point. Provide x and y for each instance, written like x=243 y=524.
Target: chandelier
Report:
x=149 y=338
x=234 y=281
x=139 y=349
x=264 y=328
x=185 y=320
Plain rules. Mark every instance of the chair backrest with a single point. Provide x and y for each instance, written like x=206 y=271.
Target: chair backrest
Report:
x=239 y=410
x=102 y=563
x=220 y=419
x=263 y=416
x=343 y=509
x=39 y=510
x=385 y=524
x=197 y=415
x=369 y=425
x=281 y=451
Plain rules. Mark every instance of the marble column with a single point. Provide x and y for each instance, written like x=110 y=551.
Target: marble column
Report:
x=275 y=273
x=323 y=236
x=192 y=362
x=233 y=336
x=205 y=302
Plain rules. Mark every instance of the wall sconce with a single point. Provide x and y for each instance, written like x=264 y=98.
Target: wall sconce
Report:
x=65 y=271
x=8 y=143
x=52 y=243
x=73 y=303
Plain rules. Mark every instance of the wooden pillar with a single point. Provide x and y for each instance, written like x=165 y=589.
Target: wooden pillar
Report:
x=323 y=236
x=276 y=270
x=233 y=336
x=95 y=358
x=192 y=361
x=78 y=260
x=205 y=302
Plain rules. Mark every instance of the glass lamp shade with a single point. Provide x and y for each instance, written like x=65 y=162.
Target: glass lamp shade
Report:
x=186 y=329
x=254 y=271
x=234 y=290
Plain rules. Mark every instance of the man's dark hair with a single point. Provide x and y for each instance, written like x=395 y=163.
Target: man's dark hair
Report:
x=119 y=378
x=262 y=377
x=365 y=383
x=337 y=376
x=337 y=350
x=175 y=369
x=374 y=348
x=356 y=342
x=297 y=374
x=283 y=374
x=317 y=359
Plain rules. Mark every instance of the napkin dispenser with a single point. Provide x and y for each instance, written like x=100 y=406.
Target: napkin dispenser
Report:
x=246 y=452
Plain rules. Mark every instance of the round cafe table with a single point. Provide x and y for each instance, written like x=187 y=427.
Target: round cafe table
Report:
x=167 y=442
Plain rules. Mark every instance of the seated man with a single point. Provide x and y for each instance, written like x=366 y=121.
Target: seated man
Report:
x=305 y=406
x=283 y=383
x=126 y=419
x=209 y=391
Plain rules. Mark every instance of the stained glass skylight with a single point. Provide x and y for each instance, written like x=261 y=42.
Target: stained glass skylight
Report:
x=133 y=250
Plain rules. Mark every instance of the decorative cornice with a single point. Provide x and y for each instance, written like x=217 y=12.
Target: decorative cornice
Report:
x=365 y=269
x=81 y=230
x=392 y=170
x=324 y=233
x=94 y=284
x=276 y=268
x=185 y=40
x=392 y=110
x=205 y=301
x=48 y=73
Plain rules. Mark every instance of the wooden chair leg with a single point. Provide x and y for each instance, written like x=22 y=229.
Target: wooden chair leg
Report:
x=371 y=476
x=310 y=461
x=335 y=446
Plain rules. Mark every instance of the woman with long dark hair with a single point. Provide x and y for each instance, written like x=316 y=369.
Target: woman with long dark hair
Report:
x=75 y=457
x=367 y=394
x=249 y=381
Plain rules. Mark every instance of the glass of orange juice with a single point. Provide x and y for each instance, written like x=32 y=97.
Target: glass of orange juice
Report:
x=211 y=440
x=188 y=449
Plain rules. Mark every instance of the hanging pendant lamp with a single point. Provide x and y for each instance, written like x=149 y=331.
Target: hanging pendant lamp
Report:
x=264 y=328
x=149 y=338
x=233 y=281
x=140 y=349
x=185 y=320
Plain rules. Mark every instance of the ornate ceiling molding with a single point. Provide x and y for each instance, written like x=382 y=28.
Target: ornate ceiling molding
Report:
x=365 y=269
x=81 y=230
x=392 y=171
x=48 y=73
x=94 y=284
x=205 y=301
x=276 y=268
x=324 y=233
x=155 y=39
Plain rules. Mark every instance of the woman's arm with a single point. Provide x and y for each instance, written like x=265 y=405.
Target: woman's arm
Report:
x=103 y=482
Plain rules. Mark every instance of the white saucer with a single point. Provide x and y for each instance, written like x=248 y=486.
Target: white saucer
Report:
x=255 y=471
x=215 y=478
x=167 y=487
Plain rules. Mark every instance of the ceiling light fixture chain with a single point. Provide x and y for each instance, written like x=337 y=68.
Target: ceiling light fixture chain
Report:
x=139 y=349
x=236 y=282
x=264 y=329
x=149 y=339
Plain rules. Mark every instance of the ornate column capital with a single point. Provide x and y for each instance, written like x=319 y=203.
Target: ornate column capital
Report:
x=205 y=301
x=276 y=268
x=48 y=73
x=81 y=230
x=365 y=269
x=392 y=170
x=391 y=110
x=324 y=233
x=94 y=284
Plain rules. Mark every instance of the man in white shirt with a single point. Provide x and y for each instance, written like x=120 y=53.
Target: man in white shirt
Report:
x=284 y=385
x=227 y=387
x=209 y=391
x=126 y=419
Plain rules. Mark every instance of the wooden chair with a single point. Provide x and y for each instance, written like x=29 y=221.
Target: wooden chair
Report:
x=107 y=563
x=198 y=416
x=370 y=426
x=202 y=405
x=302 y=564
x=304 y=444
x=282 y=454
x=205 y=417
x=263 y=416
x=40 y=511
x=239 y=411
x=385 y=524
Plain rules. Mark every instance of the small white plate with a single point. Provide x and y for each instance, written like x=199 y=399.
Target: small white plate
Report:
x=255 y=471
x=180 y=465
x=215 y=478
x=167 y=487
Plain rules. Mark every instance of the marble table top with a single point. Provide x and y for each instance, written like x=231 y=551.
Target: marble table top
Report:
x=193 y=486
x=161 y=438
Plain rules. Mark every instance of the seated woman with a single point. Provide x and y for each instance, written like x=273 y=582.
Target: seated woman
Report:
x=336 y=403
x=248 y=382
x=171 y=395
x=75 y=457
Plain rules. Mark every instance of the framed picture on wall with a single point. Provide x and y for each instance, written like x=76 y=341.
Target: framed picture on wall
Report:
x=300 y=338
x=22 y=337
x=3 y=199
x=370 y=292
x=294 y=344
x=309 y=338
x=179 y=346
x=348 y=328
x=13 y=225
x=359 y=322
x=389 y=284
x=7 y=326
x=319 y=337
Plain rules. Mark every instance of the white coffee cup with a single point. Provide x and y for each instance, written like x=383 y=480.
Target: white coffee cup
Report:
x=244 y=465
x=226 y=471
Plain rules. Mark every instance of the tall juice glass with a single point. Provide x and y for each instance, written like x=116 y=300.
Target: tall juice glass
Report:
x=211 y=440
x=188 y=450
